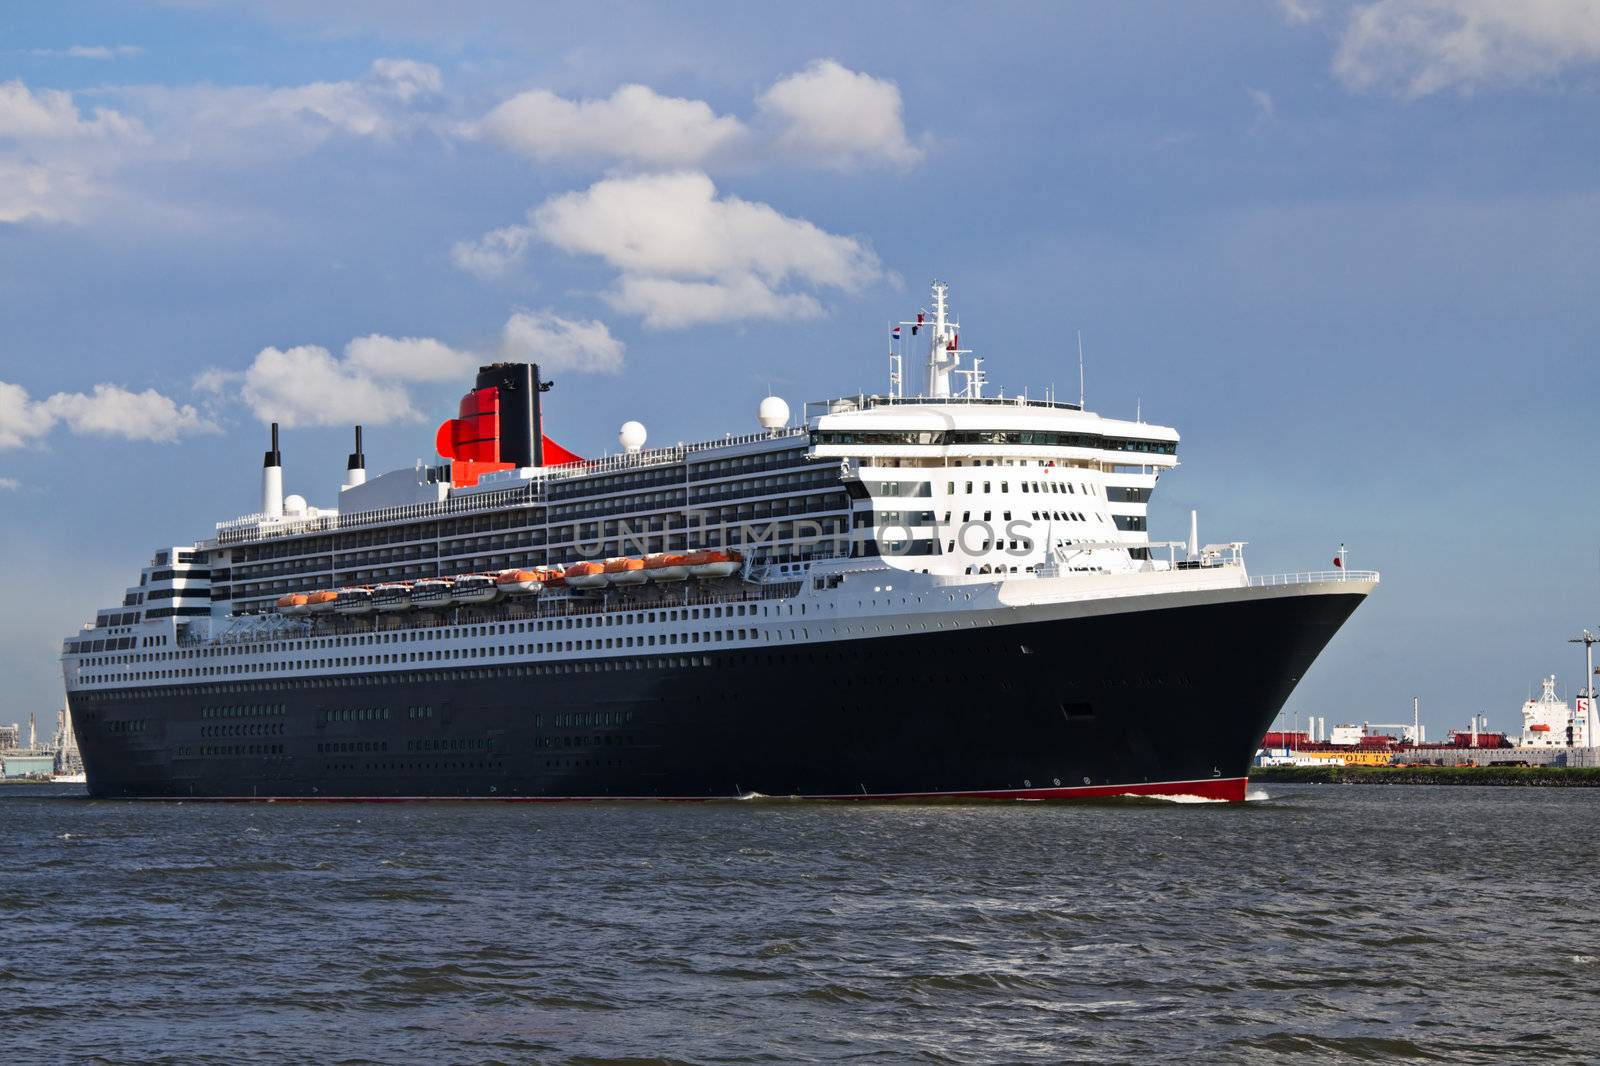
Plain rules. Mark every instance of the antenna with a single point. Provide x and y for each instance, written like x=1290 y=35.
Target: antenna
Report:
x=1080 y=370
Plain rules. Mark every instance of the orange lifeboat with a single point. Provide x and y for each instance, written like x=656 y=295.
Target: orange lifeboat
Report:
x=586 y=575
x=553 y=578
x=714 y=564
x=626 y=571
x=520 y=582
x=322 y=601
x=666 y=567
x=294 y=603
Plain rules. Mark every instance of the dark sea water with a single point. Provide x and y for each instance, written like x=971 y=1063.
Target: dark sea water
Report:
x=1317 y=924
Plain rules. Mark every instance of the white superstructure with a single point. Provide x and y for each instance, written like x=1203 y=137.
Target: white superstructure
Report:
x=880 y=514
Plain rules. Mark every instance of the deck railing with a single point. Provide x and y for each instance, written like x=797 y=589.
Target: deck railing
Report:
x=1313 y=577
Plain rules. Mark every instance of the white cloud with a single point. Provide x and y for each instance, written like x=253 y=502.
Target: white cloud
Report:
x=1418 y=47
x=1301 y=11
x=635 y=125
x=90 y=51
x=730 y=258
x=1266 y=110
x=9 y=484
x=492 y=255
x=408 y=358
x=108 y=410
x=232 y=120
x=307 y=386
x=665 y=303
x=52 y=115
x=21 y=420
x=116 y=412
x=824 y=116
x=53 y=158
x=836 y=117
x=557 y=343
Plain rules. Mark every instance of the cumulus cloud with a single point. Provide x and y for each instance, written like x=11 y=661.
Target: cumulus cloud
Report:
x=408 y=358
x=108 y=410
x=254 y=120
x=307 y=386
x=833 y=116
x=9 y=484
x=1418 y=47
x=1266 y=110
x=494 y=254
x=58 y=158
x=671 y=235
x=90 y=51
x=557 y=343
x=635 y=124
x=824 y=116
x=52 y=115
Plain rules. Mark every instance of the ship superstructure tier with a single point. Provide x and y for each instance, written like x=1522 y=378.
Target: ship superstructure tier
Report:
x=899 y=595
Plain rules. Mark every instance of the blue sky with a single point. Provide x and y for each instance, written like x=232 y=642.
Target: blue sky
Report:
x=1348 y=250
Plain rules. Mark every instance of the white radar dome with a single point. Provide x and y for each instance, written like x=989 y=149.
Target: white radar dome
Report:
x=631 y=436
x=294 y=505
x=773 y=413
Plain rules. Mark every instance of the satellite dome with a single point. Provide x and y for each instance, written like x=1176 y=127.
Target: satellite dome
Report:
x=295 y=505
x=631 y=436
x=773 y=413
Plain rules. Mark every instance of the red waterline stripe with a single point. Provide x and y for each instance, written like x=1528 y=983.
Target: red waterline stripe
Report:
x=1231 y=789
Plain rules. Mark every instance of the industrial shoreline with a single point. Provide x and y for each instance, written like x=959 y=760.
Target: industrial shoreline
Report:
x=1544 y=776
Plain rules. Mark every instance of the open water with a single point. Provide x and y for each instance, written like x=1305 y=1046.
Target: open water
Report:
x=1312 y=924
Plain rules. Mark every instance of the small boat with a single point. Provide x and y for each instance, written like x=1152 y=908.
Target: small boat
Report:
x=322 y=601
x=392 y=596
x=625 y=571
x=520 y=582
x=294 y=603
x=473 y=589
x=432 y=593
x=713 y=564
x=664 y=567
x=357 y=600
x=586 y=575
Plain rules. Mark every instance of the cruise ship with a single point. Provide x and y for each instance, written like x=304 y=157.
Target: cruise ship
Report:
x=918 y=594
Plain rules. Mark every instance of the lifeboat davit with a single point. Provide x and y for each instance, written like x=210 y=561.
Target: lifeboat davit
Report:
x=432 y=593
x=294 y=603
x=354 y=601
x=713 y=564
x=472 y=589
x=625 y=571
x=553 y=577
x=586 y=575
x=667 y=567
x=322 y=601
x=520 y=582
x=392 y=596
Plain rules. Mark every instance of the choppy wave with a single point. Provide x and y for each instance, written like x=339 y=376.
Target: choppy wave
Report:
x=766 y=930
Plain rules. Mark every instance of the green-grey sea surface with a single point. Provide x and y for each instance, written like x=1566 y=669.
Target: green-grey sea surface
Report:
x=1311 y=924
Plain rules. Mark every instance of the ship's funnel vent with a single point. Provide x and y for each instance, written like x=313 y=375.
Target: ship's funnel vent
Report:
x=500 y=425
x=272 y=479
x=355 y=470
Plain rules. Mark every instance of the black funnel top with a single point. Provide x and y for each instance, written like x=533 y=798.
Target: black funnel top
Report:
x=358 y=460
x=273 y=457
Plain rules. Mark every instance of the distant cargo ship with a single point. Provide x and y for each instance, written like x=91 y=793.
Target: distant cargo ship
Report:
x=945 y=594
x=1553 y=731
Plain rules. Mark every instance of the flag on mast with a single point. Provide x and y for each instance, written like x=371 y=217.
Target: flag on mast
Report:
x=918 y=325
x=894 y=334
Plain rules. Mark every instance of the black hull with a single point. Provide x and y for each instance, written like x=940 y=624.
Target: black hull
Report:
x=1112 y=703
